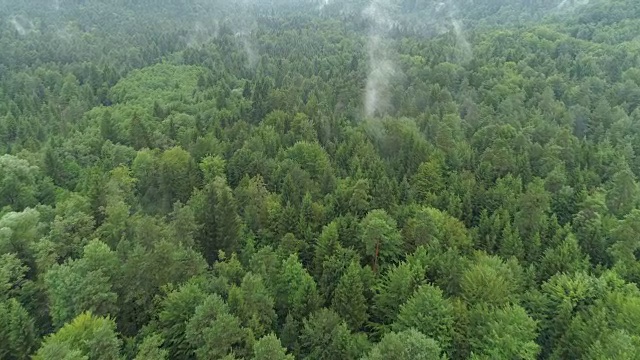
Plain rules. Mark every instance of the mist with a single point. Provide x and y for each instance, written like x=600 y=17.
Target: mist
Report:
x=244 y=25
x=461 y=40
x=381 y=68
x=22 y=25
x=571 y=4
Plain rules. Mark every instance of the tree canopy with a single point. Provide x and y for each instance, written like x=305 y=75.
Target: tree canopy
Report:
x=308 y=179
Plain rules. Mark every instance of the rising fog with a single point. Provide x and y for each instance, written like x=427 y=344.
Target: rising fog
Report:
x=381 y=24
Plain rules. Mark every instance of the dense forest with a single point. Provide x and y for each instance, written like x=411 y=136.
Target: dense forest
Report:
x=356 y=179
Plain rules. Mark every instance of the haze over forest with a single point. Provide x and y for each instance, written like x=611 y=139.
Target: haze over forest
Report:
x=319 y=179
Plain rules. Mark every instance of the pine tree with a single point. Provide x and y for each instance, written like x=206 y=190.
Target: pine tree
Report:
x=213 y=332
x=253 y=304
x=511 y=244
x=108 y=128
x=18 y=333
x=624 y=193
x=567 y=257
x=220 y=225
x=348 y=298
x=139 y=137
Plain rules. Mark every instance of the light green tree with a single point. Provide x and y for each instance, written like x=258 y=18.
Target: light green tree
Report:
x=380 y=239
x=429 y=312
x=269 y=348
x=503 y=333
x=406 y=345
x=18 y=188
x=87 y=337
x=85 y=284
x=151 y=349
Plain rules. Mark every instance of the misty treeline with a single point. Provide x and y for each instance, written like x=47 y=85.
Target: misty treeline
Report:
x=319 y=180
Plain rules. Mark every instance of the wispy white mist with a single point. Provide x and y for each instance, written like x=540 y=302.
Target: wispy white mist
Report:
x=64 y=33
x=323 y=3
x=22 y=25
x=381 y=67
x=463 y=45
x=244 y=24
x=461 y=39
x=570 y=4
x=203 y=32
x=252 y=56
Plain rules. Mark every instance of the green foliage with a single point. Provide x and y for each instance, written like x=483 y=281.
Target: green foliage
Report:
x=396 y=287
x=380 y=239
x=176 y=175
x=18 y=334
x=491 y=281
x=428 y=183
x=83 y=285
x=429 y=312
x=253 y=304
x=17 y=183
x=175 y=311
x=218 y=220
x=617 y=345
x=12 y=276
x=407 y=345
x=436 y=230
x=296 y=291
x=349 y=299
x=213 y=332
x=85 y=337
x=269 y=348
x=326 y=336
x=19 y=232
x=151 y=349
x=623 y=195
x=505 y=333
x=567 y=257
x=213 y=187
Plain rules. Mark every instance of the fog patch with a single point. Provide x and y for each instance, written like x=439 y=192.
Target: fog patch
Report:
x=203 y=32
x=22 y=25
x=571 y=4
x=381 y=67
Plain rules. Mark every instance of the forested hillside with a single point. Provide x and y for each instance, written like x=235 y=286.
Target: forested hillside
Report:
x=192 y=179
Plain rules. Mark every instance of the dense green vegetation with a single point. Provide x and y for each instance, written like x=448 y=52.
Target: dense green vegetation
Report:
x=199 y=180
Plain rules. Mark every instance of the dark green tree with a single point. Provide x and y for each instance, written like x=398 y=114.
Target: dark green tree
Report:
x=325 y=336
x=218 y=220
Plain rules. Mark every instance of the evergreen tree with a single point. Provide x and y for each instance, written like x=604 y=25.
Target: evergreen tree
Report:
x=220 y=225
x=349 y=300
x=325 y=336
x=18 y=336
